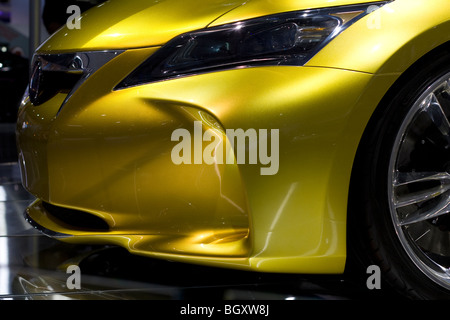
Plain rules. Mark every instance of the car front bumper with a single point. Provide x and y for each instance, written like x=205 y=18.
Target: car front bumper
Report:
x=107 y=153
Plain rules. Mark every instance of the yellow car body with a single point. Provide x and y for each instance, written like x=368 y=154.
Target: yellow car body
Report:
x=107 y=152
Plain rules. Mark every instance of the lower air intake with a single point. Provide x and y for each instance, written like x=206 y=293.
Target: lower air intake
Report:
x=76 y=219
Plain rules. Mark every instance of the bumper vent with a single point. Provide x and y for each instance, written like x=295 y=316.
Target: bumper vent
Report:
x=76 y=219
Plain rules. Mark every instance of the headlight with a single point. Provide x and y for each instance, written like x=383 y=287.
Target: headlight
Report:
x=283 y=39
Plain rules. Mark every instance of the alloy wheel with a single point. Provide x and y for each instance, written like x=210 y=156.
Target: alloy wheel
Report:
x=419 y=182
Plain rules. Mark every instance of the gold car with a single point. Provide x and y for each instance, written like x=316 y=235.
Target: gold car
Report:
x=277 y=136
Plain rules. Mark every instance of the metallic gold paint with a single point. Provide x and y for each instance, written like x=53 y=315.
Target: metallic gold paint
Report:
x=98 y=165
x=256 y=8
x=136 y=24
x=403 y=32
x=108 y=152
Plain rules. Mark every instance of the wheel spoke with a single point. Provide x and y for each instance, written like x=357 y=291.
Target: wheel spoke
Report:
x=425 y=214
x=420 y=196
x=433 y=109
x=405 y=178
x=409 y=179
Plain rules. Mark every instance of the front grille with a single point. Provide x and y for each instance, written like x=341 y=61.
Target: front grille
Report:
x=63 y=73
x=52 y=83
x=52 y=74
x=76 y=219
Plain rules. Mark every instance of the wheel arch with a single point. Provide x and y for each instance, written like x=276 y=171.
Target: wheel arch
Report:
x=436 y=53
x=355 y=257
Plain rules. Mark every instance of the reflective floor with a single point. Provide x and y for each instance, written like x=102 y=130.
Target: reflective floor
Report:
x=34 y=267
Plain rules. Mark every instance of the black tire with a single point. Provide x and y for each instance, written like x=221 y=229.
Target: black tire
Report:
x=373 y=237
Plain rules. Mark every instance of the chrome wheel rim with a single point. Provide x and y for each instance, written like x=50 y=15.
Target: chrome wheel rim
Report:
x=419 y=182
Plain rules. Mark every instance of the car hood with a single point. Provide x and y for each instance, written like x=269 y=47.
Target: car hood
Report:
x=119 y=24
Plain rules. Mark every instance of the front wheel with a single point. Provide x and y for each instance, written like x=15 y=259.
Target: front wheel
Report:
x=400 y=197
